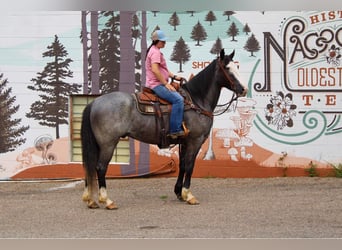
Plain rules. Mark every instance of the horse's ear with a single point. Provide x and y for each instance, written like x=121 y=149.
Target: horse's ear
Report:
x=231 y=56
x=222 y=54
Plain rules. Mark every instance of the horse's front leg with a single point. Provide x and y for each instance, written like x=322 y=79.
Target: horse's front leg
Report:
x=186 y=165
x=188 y=197
x=180 y=179
x=186 y=193
x=179 y=183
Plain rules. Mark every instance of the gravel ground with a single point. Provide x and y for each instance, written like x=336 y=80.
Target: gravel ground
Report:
x=230 y=208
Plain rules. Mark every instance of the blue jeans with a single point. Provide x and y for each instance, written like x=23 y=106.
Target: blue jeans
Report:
x=177 y=101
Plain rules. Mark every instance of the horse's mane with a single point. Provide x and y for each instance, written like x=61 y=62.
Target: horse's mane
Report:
x=198 y=85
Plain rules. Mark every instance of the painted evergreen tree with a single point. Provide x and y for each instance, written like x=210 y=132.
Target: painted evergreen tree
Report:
x=191 y=12
x=136 y=32
x=143 y=46
x=51 y=109
x=174 y=20
x=233 y=31
x=252 y=45
x=217 y=46
x=198 y=33
x=246 y=29
x=109 y=51
x=10 y=130
x=155 y=12
x=180 y=53
x=136 y=35
x=228 y=14
x=210 y=17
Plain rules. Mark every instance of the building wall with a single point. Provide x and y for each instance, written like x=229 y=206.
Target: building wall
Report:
x=290 y=118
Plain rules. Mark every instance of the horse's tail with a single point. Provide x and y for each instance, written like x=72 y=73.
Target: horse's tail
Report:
x=90 y=148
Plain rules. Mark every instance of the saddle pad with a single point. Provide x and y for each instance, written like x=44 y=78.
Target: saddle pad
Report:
x=146 y=101
x=148 y=97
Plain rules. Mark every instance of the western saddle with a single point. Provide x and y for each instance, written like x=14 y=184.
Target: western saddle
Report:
x=148 y=103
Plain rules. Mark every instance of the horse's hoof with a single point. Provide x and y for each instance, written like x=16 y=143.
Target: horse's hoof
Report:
x=188 y=197
x=193 y=201
x=92 y=205
x=112 y=206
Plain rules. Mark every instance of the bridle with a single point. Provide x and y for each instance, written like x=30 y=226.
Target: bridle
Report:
x=234 y=96
x=228 y=104
x=228 y=78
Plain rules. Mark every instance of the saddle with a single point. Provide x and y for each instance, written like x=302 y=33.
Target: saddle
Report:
x=148 y=103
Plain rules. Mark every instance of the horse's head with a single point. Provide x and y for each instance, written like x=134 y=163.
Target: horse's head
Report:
x=228 y=74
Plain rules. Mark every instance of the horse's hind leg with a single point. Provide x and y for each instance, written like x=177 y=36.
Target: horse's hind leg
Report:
x=87 y=197
x=105 y=156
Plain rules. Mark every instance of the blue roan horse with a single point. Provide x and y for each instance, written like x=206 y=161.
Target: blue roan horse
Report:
x=113 y=116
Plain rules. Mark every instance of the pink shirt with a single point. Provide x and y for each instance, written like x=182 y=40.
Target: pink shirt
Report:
x=155 y=56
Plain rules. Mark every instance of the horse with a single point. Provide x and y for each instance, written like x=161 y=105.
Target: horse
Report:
x=114 y=115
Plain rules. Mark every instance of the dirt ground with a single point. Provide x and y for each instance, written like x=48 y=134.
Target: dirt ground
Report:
x=283 y=207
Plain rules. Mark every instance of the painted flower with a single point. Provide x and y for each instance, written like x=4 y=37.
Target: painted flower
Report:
x=334 y=55
x=280 y=111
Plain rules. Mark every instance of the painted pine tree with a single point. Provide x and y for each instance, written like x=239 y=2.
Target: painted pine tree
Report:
x=198 y=33
x=252 y=45
x=137 y=35
x=228 y=13
x=174 y=20
x=217 y=46
x=210 y=17
x=109 y=51
x=180 y=53
x=191 y=12
x=246 y=29
x=233 y=31
x=51 y=110
x=10 y=130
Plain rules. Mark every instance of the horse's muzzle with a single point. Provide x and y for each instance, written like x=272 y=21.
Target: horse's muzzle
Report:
x=243 y=93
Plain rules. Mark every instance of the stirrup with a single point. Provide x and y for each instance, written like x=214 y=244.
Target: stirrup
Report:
x=185 y=129
x=180 y=133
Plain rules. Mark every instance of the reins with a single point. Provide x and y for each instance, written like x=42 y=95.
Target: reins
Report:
x=195 y=107
x=228 y=104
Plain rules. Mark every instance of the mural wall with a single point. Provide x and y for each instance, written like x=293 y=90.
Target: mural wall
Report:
x=291 y=62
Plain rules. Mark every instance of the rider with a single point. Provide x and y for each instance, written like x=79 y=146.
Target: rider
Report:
x=157 y=75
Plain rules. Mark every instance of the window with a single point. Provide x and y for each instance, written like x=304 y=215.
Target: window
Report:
x=76 y=106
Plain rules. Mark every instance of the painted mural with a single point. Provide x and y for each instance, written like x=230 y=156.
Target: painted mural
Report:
x=291 y=63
